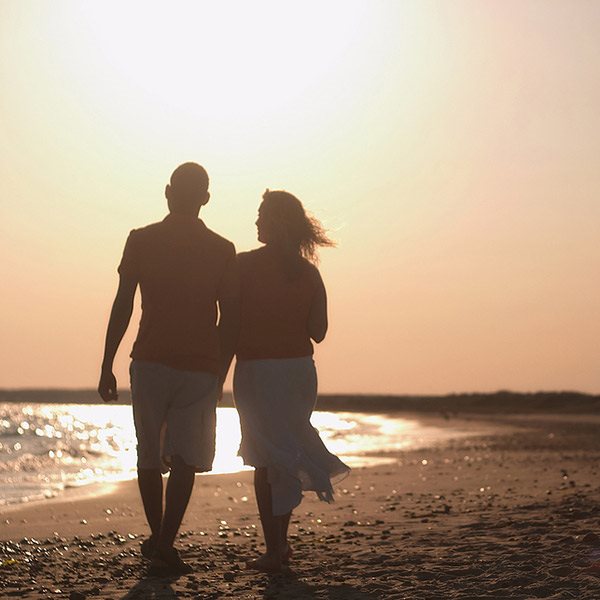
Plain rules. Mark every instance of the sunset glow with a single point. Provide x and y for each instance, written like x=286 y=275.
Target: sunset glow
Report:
x=450 y=148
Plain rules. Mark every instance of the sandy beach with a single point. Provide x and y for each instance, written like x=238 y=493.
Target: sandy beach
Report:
x=514 y=513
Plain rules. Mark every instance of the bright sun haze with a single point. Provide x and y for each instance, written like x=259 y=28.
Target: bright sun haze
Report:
x=450 y=148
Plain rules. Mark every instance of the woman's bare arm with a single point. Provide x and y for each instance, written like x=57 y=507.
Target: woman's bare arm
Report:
x=317 y=318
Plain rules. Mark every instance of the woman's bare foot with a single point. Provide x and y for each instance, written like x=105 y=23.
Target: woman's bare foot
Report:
x=267 y=563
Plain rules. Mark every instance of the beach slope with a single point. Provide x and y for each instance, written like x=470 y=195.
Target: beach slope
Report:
x=511 y=515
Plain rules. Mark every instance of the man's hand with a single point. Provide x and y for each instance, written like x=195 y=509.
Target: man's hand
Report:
x=117 y=325
x=107 y=388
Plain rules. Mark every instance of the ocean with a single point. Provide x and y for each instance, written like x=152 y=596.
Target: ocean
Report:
x=46 y=449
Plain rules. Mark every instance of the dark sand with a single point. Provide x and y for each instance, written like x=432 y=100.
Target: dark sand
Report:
x=510 y=515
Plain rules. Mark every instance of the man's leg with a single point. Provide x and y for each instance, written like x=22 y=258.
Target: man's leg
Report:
x=179 y=491
x=189 y=431
x=151 y=490
x=149 y=395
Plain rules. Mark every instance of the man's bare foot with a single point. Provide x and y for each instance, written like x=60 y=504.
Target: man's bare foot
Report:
x=267 y=563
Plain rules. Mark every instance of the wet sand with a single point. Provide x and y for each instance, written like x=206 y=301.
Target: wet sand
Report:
x=515 y=514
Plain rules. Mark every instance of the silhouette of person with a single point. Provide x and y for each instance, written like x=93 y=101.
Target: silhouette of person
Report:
x=284 y=307
x=181 y=354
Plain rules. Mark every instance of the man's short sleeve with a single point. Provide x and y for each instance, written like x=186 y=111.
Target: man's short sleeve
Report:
x=129 y=266
x=229 y=287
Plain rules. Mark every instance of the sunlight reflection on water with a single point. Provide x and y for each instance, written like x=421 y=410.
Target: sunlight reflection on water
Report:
x=45 y=448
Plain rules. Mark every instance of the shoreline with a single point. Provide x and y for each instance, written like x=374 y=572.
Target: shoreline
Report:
x=515 y=514
x=448 y=429
x=455 y=404
x=368 y=459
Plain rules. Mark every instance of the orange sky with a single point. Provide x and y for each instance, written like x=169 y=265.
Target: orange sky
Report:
x=452 y=149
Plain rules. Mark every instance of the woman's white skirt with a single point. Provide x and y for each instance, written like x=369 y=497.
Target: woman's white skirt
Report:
x=275 y=398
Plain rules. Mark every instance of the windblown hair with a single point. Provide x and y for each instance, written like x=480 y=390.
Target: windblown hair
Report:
x=300 y=233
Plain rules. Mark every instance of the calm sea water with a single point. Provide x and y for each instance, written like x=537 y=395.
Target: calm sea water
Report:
x=47 y=448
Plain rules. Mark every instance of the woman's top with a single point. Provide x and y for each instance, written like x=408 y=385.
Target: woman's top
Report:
x=276 y=303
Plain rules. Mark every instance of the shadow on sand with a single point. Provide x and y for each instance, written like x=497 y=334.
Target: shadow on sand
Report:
x=282 y=585
x=290 y=585
x=152 y=588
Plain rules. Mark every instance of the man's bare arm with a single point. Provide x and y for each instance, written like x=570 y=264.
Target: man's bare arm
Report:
x=120 y=316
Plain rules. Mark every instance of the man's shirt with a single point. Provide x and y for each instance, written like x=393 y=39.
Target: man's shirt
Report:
x=183 y=269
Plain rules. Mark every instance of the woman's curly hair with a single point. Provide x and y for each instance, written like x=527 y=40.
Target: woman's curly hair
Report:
x=299 y=232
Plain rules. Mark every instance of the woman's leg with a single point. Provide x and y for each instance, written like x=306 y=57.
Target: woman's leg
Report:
x=272 y=525
x=286 y=550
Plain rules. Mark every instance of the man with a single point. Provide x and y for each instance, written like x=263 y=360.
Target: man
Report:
x=181 y=355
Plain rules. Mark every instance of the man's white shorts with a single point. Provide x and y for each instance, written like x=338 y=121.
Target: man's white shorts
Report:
x=174 y=414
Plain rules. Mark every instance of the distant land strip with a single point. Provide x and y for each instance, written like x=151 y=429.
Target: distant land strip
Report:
x=450 y=404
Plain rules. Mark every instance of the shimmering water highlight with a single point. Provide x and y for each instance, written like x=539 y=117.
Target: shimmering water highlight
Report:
x=46 y=448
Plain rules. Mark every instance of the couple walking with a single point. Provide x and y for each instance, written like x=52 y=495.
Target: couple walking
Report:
x=201 y=305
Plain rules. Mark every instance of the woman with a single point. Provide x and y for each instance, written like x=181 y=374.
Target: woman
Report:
x=284 y=307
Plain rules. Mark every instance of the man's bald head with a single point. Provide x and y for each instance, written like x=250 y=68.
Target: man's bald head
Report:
x=188 y=189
